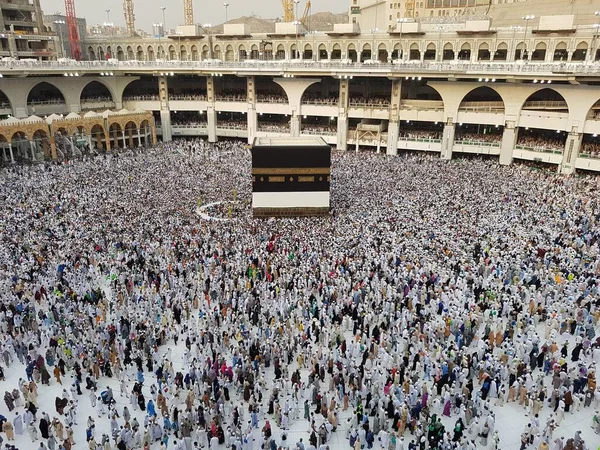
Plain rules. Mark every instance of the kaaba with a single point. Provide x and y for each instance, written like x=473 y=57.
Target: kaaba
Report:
x=291 y=177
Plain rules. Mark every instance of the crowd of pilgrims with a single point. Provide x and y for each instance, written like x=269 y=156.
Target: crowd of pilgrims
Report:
x=435 y=294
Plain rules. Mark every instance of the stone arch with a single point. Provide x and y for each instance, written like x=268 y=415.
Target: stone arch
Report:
x=98 y=137
x=594 y=111
x=139 y=55
x=483 y=52
x=242 y=52
x=541 y=97
x=194 y=51
x=430 y=52
x=501 y=53
x=580 y=51
x=307 y=51
x=130 y=55
x=560 y=52
x=205 y=52
x=486 y=96
x=217 y=51
x=120 y=53
x=448 y=52
x=322 y=52
x=5 y=102
x=254 y=52
x=40 y=138
x=415 y=52
x=45 y=91
x=539 y=52
x=139 y=87
x=465 y=51
x=115 y=131
x=150 y=53
x=131 y=129
x=183 y=53
x=172 y=53
x=95 y=87
x=229 y=56
x=336 y=51
x=91 y=53
x=351 y=52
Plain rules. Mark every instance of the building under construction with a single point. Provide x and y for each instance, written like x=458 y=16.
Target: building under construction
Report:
x=23 y=33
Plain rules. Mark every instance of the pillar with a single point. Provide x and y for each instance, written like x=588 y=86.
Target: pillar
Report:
x=392 y=139
x=211 y=113
x=342 y=120
x=53 y=148
x=107 y=137
x=571 y=153
x=251 y=116
x=394 y=118
x=167 y=129
x=12 y=157
x=165 y=112
x=509 y=140
x=448 y=140
x=295 y=124
x=124 y=138
x=342 y=132
x=211 y=120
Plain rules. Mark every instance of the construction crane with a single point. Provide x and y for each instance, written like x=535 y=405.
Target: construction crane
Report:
x=129 y=17
x=73 y=30
x=307 y=9
x=288 y=10
x=188 y=12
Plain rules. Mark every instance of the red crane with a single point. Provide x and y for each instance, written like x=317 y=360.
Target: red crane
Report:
x=73 y=30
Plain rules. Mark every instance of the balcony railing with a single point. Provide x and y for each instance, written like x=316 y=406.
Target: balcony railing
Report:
x=561 y=68
x=478 y=143
x=434 y=105
x=553 y=151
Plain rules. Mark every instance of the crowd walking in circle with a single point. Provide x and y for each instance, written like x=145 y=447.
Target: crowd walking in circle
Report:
x=441 y=305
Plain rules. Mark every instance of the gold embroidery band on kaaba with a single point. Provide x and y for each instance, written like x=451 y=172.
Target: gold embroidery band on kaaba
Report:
x=292 y=171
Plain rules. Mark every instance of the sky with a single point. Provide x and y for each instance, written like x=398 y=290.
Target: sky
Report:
x=205 y=11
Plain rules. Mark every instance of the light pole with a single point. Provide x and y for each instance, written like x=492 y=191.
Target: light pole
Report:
x=164 y=8
x=526 y=19
x=226 y=5
x=439 y=54
x=400 y=22
x=179 y=34
x=59 y=24
x=296 y=25
x=109 y=26
x=514 y=29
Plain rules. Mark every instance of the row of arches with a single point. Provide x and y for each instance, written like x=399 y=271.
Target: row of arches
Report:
x=33 y=141
x=486 y=50
x=266 y=90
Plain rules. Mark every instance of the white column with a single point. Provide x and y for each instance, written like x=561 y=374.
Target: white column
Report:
x=12 y=157
x=509 y=140
x=211 y=119
x=570 y=153
x=342 y=132
x=393 y=136
x=448 y=141
x=295 y=124
x=165 y=124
